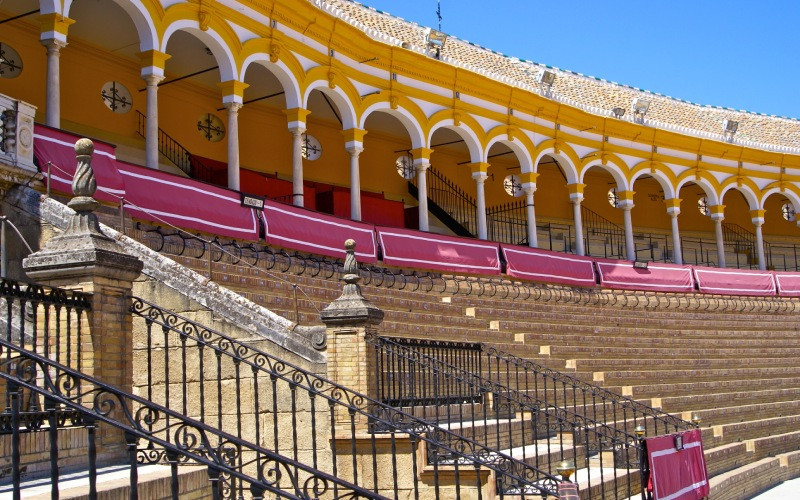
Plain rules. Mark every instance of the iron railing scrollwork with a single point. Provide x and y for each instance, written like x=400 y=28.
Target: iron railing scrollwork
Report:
x=171 y=438
x=248 y=393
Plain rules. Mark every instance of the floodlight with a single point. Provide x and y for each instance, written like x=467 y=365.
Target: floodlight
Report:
x=640 y=106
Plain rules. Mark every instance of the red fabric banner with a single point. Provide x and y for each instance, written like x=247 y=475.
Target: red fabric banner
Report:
x=788 y=284
x=57 y=147
x=404 y=248
x=187 y=203
x=308 y=231
x=734 y=281
x=547 y=266
x=657 y=277
x=677 y=474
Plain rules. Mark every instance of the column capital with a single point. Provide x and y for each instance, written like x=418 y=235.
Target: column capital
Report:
x=153 y=62
x=673 y=204
x=54 y=27
x=421 y=153
x=528 y=178
x=232 y=91
x=233 y=107
x=354 y=150
x=717 y=212
x=152 y=79
x=353 y=135
x=757 y=216
x=478 y=167
x=297 y=117
x=576 y=192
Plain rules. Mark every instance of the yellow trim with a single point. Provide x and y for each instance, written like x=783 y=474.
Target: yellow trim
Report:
x=673 y=203
x=576 y=188
x=716 y=209
x=296 y=114
x=528 y=177
x=757 y=214
x=153 y=58
x=354 y=135
x=625 y=195
x=232 y=87
x=421 y=153
x=479 y=167
x=55 y=22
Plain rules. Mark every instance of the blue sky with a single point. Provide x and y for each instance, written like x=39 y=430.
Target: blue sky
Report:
x=737 y=54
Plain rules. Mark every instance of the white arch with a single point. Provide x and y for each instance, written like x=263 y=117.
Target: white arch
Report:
x=522 y=154
x=566 y=165
x=288 y=82
x=212 y=40
x=707 y=188
x=343 y=104
x=407 y=119
x=749 y=195
x=619 y=178
x=148 y=36
x=51 y=6
x=466 y=133
x=790 y=195
x=662 y=180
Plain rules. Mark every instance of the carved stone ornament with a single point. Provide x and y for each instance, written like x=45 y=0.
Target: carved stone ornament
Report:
x=274 y=52
x=351 y=308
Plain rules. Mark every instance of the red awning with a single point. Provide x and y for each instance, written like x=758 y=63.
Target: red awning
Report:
x=313 y=232
x=734 y=281
x=677 y=468
x=551 y=267
x=187 y=203
x=404 y=248
x=57 y=148
x=657 y=277
x=788 y=284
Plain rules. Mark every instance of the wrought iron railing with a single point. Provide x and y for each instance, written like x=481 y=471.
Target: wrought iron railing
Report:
x=152 y=433
x=603 y=237
x=508 y=223
x=175 y=153
x=452 y=200
x=252 y=395
x=462 y=399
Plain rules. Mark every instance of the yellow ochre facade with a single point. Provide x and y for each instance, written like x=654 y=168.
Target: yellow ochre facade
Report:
x=369 y=89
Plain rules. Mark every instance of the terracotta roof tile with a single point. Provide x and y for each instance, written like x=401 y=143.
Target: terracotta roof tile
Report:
x=592 y=94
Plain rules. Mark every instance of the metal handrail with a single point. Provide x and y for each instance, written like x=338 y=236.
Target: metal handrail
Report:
x=171 y=436
x=450 y=448
x=452 y=199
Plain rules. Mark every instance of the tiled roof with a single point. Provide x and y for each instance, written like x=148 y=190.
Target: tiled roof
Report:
x=592 y=94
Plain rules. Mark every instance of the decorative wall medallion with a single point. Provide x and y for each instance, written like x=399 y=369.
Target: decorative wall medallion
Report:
x=787 y=212
x=312 y=149
x=702 y=205
x=211 y=127
x=405 y=167
x=10 y=62
x=513 y=185
x=612 y=197
x=116 y=97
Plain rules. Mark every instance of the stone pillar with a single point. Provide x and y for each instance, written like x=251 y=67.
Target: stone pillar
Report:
x=528 y=180
x=152 y=73
x=625 y=203
x=349 y=321
x=83 y=258
x=233 y=144
x=576 y=197
x=297 y=126
x=422 y=161
x=718 y=215
x=757 y=216
x=479 y=173
x=52 y=115
x=233 y=99
x=354 y=145
x=674 y=210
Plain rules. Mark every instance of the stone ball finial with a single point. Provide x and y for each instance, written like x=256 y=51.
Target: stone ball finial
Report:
x=84 y=147
x=350 y=244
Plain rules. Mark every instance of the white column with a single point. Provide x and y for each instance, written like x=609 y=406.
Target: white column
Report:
x=576 y=210
x=480 y=201
x=297 y=165
x=355 y=182
x=718 y=218
x=52 y=117
x=762 y=261
x=533 y=237
x=151 y=121
x=233 y=144
x=630 y=247
x=421 y=166
x=677 y=254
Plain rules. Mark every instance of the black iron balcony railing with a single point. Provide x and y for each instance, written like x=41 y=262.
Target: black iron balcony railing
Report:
x=601 y=232
x=252 y=395
x=153 y=434
x=449 y=203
